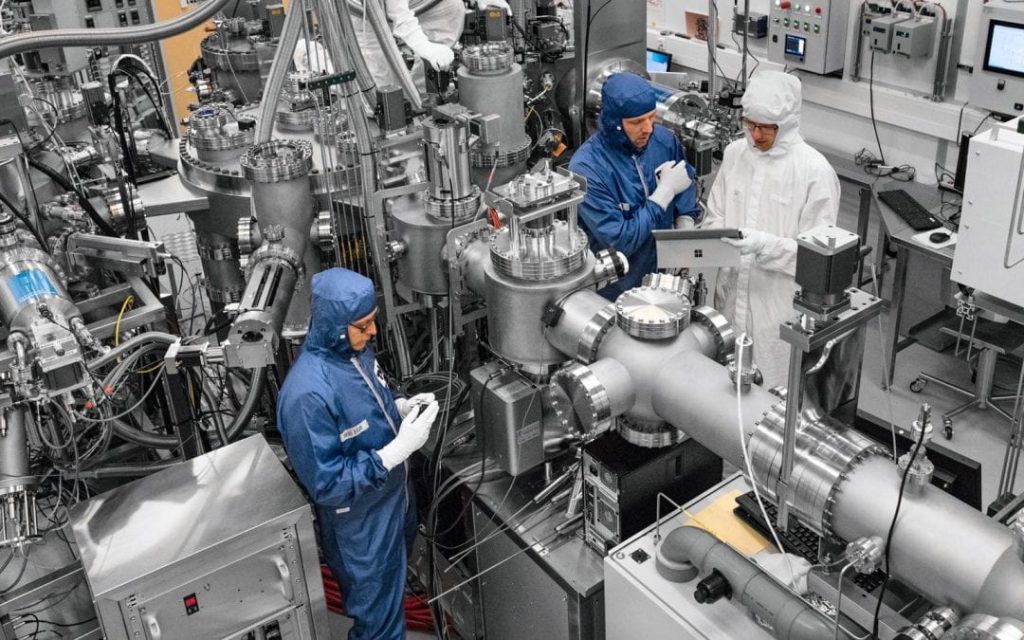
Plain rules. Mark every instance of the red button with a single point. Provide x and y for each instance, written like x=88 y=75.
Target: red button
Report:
x=817 y=9
x=786 y=4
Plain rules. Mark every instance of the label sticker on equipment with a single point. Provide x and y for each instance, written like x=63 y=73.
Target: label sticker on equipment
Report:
x=30 y=284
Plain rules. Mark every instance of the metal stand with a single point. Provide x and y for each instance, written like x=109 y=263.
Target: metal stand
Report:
x=980 y=395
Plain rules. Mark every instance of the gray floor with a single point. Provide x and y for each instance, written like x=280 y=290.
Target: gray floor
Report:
x=980 y=435
x=340 y=626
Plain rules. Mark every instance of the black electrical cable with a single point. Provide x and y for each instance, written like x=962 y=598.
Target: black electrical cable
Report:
x=136 y=73
x=983 y=120
x=871 y=103
x=892 y=529
x=65 y=184
x=128 y=157
x=431 y=535
x=20 y=215
x=252 y=400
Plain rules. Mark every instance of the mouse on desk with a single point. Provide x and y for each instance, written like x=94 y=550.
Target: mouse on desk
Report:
x=939 y=237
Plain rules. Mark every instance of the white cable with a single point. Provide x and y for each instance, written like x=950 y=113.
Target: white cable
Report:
x=750 y=469
x=142 y=63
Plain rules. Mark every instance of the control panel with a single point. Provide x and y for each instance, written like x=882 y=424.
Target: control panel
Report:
x=902 y=34
x=808 y=35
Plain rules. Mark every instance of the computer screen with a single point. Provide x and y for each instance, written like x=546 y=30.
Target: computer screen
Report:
x=1004 y=52
x=796 y=46
x=658 y=60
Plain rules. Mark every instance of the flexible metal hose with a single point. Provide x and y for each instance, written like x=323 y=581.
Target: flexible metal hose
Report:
x=379 y=22
x=153 y=440
x=149 y=336
x=342 y=20
x=102 y=37
x=127 y=470
x=279 y=70
x=252 y=399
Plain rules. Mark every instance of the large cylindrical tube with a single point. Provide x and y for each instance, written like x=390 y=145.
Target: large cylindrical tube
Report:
x=217 y=243
x=515 y=309
x=446 y=160
x=943 y=548
x=27 y=280
x=420 y=267
x=695 y=394
x=578 y=310
x=283 y=202
x=948 y=551
x=18 y=515
x=501 y=94
x=14 y=451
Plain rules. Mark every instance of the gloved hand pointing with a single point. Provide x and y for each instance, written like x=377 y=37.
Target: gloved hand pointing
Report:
x=753 y=241
x=405 y=405
x=411 y=436
x=436 y=55
x=673 y=179
x=497 y=4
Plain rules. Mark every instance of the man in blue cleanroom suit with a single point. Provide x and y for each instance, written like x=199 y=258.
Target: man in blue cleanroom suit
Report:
x=625 y=198
x=348 y=437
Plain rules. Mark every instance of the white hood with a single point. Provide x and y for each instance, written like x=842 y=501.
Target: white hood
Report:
x=773 y=97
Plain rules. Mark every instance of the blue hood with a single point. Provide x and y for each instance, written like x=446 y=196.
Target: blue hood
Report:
x=339 y=297
x=624 y=95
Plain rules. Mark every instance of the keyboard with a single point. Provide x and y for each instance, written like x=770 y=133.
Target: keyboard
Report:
x=798 y=539
x=910 y=210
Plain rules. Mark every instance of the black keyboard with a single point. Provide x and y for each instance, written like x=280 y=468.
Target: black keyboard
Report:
x=797 y=539
x=910 y=210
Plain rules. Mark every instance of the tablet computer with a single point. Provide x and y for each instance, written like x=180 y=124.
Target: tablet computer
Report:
x=696 y=248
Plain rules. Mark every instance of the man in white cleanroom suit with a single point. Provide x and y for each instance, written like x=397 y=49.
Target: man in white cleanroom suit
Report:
x=430 y=35
x=773 y=186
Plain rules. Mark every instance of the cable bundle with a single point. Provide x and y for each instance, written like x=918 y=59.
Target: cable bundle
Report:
x=417 y=612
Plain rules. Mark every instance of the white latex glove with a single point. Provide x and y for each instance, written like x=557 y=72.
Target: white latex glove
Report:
x=436 y=55
x=405 y=405
x=787 y=568
x=411 y=436
x=497 y=4
x=753 y=241
x=684 y=222
x=673 y=179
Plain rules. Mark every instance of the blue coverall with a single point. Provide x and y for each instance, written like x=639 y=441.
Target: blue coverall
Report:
x=616 y=212
x=334 y=412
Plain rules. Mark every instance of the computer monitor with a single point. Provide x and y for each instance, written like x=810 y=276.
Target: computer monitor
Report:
x=1004 y=48
x=998 y=80
x=658 y=61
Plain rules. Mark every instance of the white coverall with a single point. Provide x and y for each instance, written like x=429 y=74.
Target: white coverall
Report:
x=784 y=191
x=441 y=24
